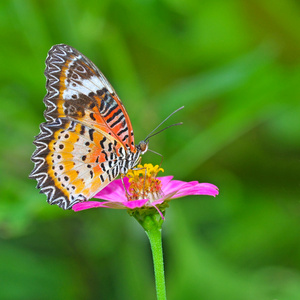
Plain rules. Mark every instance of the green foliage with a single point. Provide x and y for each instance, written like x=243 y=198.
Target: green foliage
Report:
x=235 y=66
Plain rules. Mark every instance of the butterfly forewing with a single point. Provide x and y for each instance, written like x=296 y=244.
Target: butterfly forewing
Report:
x=78 y=90
x=87 y=133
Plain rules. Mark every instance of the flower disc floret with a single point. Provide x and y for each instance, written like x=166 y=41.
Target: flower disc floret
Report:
x=144 y=184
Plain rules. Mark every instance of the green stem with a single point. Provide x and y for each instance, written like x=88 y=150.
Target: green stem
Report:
x=154 y=235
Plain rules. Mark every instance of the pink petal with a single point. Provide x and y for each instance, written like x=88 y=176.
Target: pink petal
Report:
x=110 y=204
x=114 y=191
x=165 y=179
x=173 y=185
x=180 y=189
x=126 y=204
x=87 y=205
x=135 y=203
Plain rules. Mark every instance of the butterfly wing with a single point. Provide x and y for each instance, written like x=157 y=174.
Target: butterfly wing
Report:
x=78 y=90
x=87 y=132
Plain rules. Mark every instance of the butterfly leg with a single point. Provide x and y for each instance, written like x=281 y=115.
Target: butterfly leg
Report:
x=126 y=192
x=162 y=157
x=144 y=185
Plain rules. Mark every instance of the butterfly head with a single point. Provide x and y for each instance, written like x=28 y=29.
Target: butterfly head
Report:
x=143 y=146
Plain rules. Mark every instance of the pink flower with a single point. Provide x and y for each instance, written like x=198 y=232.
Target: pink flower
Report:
x=148 y=194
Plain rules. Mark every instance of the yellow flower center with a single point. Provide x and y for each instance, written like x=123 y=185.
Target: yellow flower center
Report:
x=144 y=184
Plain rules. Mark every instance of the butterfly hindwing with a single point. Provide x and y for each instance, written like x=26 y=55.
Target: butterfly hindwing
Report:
x=73 y=161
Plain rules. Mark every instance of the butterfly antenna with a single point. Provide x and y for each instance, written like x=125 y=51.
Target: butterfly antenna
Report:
x=151 y=134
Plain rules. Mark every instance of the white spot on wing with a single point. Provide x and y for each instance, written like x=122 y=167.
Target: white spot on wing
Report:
x=69 y=92
x=85 y=86
x=94 y=83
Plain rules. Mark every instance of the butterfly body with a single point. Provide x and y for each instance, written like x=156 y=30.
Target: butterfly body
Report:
x=87 y=139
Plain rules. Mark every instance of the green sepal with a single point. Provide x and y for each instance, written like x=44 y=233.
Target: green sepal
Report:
x=149 y=217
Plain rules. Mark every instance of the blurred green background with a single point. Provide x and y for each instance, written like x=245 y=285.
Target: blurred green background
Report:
x=235 y=65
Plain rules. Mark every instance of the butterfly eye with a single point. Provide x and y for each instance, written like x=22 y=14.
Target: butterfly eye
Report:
x=143 y=146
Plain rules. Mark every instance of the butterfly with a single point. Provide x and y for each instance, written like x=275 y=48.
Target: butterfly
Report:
x=87 y=139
